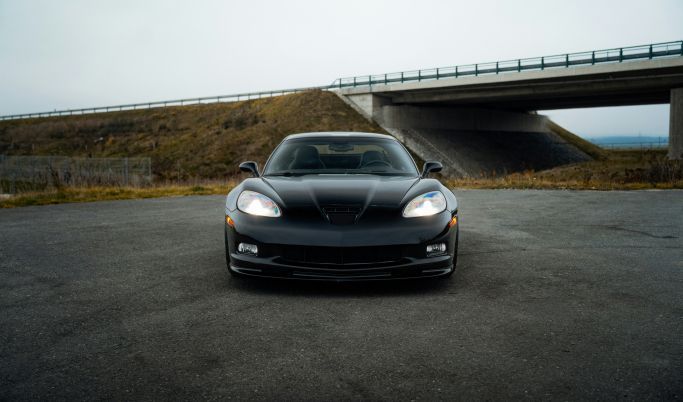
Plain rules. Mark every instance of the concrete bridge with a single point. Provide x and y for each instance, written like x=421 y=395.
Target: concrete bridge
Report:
x=481 y=118
x=439 y=112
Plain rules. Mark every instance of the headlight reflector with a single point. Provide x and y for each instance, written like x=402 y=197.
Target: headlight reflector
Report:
x=426 y=204
x=258 y=204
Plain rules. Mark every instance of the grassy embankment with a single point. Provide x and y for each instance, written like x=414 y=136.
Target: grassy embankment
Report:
x=615 y=170
x=196 y=149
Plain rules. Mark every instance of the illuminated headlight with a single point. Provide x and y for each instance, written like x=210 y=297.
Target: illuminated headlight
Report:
x=254 y=203
x=427 y=204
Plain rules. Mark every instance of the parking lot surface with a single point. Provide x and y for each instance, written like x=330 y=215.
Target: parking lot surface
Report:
x=557 y=294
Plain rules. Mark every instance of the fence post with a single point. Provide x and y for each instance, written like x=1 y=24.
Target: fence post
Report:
x=125 y=171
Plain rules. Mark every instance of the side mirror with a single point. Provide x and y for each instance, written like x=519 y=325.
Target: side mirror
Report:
x=430 y=167
x=250 y=166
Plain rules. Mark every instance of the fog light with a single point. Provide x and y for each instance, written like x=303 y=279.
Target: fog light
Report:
x=246 y=248
x=436 y=249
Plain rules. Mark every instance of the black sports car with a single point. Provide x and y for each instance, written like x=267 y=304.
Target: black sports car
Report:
x=341 y=206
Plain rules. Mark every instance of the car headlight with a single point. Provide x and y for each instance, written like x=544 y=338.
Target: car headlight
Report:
x=258 y=204
x=426 y=204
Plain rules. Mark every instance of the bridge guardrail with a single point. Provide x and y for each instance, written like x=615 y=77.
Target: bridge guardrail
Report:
x=616 y=55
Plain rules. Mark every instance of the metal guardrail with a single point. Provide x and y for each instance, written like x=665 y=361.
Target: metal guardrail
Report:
x=567 y=60
x=616 y=55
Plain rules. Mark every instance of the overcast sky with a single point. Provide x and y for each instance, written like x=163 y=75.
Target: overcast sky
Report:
x=70 y=54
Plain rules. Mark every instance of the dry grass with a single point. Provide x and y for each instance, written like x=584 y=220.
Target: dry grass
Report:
x=198 y=141
x=89 y=194
x=618 y=170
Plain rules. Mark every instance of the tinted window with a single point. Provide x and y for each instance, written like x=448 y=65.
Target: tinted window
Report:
x=341 y=155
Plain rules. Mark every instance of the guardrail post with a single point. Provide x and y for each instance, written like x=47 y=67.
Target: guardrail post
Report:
x=650 y=52
x=519 y=65
x=476 y=70
x=593 y=57
x=401 y=77
x=542 y=63
x=437 y=73
x=369 y=80
x=354 y=82
x=496 y=67
x=566 y=60
x=385 y=79
x=621 y=54
x=681 y=48
x=456 y=71
x=419 y=75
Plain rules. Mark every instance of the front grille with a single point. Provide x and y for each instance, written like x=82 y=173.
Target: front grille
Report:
x=341 y=214
x=342 y=255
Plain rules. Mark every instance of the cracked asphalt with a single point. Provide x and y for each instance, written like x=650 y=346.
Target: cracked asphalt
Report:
x=558 y=295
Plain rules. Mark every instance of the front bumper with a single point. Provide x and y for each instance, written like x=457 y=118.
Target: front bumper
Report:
x=343 y=253
x=410 y=269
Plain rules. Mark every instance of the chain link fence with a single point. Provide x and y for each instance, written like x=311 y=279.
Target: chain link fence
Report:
x=26 y=173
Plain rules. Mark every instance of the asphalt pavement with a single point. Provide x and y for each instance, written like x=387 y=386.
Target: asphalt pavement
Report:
x=557 y=295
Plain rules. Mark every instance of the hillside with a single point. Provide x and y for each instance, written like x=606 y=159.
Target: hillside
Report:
x=206 y=141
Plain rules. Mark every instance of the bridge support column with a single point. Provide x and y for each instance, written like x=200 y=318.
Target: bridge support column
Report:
x=676 y=124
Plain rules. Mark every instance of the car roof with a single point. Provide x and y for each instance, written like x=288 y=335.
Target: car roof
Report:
x=338 y=134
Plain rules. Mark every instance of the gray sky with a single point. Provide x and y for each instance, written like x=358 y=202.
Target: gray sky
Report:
x=69 y=54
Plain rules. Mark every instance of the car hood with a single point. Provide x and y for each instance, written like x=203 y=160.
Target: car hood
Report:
x=358 y=190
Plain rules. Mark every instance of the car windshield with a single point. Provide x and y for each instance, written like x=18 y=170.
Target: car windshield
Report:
x=345 y=155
